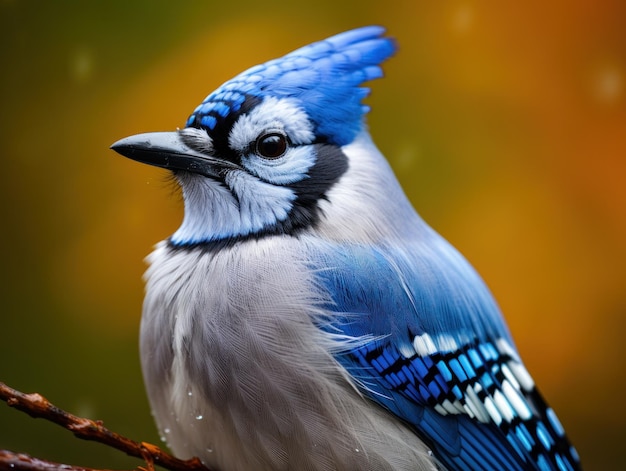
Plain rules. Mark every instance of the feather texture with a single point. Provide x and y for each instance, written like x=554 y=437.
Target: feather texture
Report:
x=324 y=77
x=249 y=380
x=304 y=317
x=441 y=357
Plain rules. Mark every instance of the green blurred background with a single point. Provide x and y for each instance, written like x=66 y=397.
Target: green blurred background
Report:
x=506 y=124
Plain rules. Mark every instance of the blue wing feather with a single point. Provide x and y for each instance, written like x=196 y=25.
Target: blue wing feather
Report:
x=440 y=357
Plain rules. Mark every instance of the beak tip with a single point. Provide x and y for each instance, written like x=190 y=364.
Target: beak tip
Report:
x=120 y=145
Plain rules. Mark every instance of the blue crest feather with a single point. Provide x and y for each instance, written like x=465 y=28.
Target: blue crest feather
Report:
x=325 y=77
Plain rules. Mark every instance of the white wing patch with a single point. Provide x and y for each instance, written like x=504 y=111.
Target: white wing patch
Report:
x=504 y=403
x=424 y=345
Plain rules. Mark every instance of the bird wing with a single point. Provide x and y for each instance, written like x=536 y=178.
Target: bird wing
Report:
x=438 y=355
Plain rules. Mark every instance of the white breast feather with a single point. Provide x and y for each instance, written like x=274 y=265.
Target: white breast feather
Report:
x=244 y=367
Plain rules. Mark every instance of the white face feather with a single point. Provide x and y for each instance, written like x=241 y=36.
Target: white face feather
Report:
x=275 y=115
x=260 y=203
x=256 y=196
x=290 y=168
x=281 y=114
x=197 y=139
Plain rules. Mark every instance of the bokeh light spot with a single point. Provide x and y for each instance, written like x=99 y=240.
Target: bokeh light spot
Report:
x=608 y=84
x=82 y=64
x=462 y=18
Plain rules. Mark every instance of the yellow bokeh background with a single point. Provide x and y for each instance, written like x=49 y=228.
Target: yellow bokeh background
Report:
x=504 y=121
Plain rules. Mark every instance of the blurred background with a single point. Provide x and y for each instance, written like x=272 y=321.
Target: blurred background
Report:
x=506 y=125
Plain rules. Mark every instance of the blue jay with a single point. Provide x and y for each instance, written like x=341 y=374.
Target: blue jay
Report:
x=303 y=316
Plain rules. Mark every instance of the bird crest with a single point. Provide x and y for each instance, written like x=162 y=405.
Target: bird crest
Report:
x=324 y=77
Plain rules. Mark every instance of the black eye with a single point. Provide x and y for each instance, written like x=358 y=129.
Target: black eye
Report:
x=271 y=145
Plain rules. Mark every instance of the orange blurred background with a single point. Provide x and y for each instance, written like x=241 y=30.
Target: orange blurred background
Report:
x=506 y=125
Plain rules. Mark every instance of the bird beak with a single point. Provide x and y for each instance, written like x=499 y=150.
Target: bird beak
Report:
x=166 y=150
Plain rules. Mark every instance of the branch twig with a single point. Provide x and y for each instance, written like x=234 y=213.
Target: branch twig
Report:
x=10 y=461
x=38 y=406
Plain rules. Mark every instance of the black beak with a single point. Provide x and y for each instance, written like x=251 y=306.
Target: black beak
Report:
x=167 y=150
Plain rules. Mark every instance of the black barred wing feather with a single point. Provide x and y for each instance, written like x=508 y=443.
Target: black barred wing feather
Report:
x=474 y=403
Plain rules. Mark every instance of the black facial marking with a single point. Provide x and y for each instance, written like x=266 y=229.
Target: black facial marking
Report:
x=331 y=164
x=220 y=133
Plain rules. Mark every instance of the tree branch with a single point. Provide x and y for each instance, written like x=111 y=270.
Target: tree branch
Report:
x=10 y=461
x=38 y=406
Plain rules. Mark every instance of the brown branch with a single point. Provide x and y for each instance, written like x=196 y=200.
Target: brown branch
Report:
x=38 y=406
x=10 y=461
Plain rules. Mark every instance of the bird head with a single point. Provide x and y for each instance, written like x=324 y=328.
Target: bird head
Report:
x=260 y=154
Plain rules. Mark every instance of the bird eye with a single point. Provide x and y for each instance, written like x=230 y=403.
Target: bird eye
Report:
x=271 y=145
